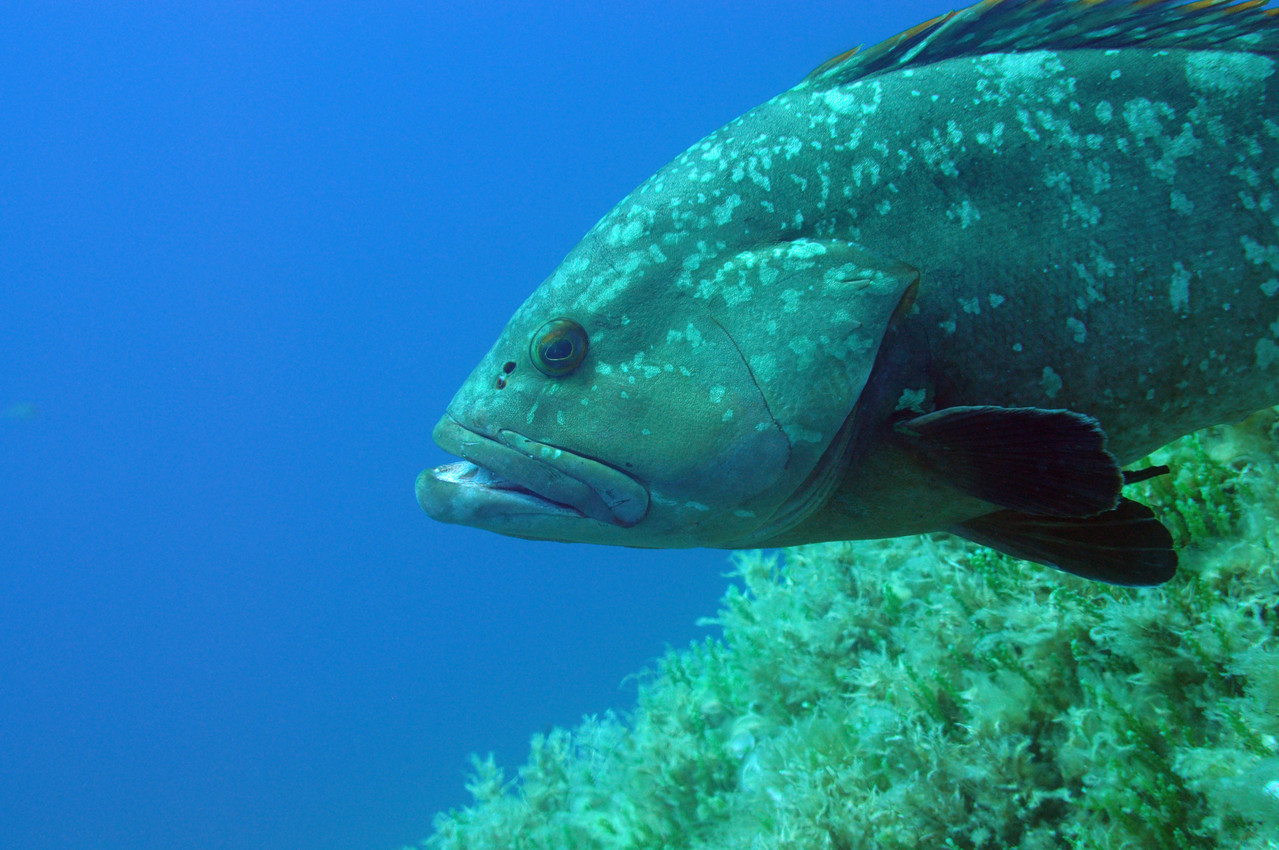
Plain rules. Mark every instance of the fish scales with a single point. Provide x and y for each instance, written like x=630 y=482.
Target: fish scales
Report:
x=921 y=290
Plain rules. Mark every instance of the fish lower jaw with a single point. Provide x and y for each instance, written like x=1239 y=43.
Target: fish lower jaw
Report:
x=473 y=481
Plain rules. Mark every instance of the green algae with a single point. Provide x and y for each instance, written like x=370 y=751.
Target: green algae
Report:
x=927 y=692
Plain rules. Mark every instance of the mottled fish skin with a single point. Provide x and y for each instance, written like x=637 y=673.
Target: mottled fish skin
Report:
x=966 y=215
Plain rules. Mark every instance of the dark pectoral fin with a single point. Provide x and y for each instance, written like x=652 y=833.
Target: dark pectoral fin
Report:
x=1126 y=545
x=1046 y=462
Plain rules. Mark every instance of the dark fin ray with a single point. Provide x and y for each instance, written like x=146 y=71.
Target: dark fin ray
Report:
x=1126 y=546
x=1132 y=476
x=1047 y=462
x=1018 y=26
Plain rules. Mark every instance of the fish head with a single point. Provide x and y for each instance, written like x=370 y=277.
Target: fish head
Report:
x=636 y=402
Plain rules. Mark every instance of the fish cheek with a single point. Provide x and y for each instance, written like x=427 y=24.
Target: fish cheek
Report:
x=703 y=451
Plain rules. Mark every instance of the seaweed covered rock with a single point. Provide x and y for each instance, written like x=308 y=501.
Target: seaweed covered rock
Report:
x=929 y=692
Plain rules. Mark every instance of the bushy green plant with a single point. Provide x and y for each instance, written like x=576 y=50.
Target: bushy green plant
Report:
x=931 y=693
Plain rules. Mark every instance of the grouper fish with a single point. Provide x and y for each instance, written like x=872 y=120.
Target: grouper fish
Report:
x=954 y=282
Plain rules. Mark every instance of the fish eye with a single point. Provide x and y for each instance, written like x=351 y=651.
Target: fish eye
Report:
x=558 y=347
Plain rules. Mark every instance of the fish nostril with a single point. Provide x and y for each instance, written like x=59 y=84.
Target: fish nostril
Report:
x=507 y=368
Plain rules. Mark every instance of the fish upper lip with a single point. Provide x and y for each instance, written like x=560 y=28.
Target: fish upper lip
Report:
x=547 y=478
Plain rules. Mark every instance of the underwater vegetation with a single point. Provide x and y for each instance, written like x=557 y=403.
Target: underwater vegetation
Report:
x=927 y=692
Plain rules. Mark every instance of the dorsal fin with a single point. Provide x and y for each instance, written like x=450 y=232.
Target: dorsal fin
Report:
x=1010 y=26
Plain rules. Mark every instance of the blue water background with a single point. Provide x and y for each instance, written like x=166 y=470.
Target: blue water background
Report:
x=247 y=253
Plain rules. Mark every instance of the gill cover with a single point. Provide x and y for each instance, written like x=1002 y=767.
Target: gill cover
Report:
x=808 y=317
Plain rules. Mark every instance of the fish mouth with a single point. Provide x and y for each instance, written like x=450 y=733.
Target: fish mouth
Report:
x=503 y=478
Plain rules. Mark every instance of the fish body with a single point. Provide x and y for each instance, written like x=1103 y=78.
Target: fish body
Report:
x=956 y=281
